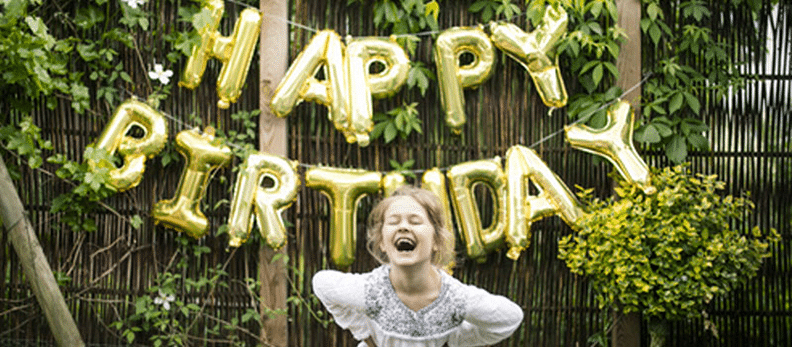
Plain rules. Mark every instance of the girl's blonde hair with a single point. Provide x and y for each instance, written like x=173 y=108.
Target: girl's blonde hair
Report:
x=442 y=255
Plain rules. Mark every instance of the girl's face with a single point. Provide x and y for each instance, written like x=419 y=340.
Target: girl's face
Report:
x=407 y=233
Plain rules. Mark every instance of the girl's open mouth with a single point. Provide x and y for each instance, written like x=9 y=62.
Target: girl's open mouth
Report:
x=405 y=245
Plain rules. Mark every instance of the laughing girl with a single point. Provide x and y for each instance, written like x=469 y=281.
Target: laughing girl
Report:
x=409 y=300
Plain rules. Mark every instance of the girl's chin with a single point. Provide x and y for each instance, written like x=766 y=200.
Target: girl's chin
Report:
x=407 y=259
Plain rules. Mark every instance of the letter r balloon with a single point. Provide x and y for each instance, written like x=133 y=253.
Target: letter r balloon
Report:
x=266 y=204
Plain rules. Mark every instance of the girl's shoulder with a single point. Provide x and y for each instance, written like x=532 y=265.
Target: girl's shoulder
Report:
x=336 y=287
x=460 y=289
x=335 y=276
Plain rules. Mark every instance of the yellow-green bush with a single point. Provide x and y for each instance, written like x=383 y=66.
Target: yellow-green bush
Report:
x=666 y=254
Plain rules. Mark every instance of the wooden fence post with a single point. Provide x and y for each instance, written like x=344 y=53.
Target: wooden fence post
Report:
x=273 y=60
x=35 y=265
x=627 y=327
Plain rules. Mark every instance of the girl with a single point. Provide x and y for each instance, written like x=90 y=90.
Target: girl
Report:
x=409 y=301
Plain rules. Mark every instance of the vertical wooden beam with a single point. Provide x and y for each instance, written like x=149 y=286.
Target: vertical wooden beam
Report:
x=629 y=61
x=627 y=327
x=274 y=59
x=35 y=265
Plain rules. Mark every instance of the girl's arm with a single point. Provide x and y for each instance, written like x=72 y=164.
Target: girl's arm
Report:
x=339 y=289
x=488 y=319
x=343 y=295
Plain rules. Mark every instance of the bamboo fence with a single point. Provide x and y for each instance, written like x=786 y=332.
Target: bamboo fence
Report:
x=111 y=266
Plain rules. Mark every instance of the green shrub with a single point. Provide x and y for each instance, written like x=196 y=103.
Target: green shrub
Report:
x=668 y=254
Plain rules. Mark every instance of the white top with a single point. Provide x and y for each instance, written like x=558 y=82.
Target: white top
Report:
x=462 y=315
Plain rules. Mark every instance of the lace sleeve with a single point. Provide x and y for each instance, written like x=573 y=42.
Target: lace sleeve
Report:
x=343 y=295
x=488 y=319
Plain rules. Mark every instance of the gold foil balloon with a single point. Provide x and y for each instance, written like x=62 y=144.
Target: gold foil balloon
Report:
x=392 y=181
x=523 y=165
x=451 y=44
x=235 y=52
x=200 y=54
x=348 y=87
x=536 y=52
x=114 y=139
x=362 y=86
x=337 y=92
x=266 y=204
x=203 y=154
x=344 y=188
x=614 y=142
x=479 y=241
x=325 y=50
x=435 y=181
x=237 y=55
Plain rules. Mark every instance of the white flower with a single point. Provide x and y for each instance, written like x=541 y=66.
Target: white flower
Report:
x=164 y=300
x=160 y=73
x=134 y=3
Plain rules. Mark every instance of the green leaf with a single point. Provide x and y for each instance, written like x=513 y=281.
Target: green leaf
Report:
x=202 y=19
x=136 y=222
x=589 y=66
x=87 y=17
x=390 y=132
x=698 y=142
x=378 y=130
x=655 y=33
x=596 y=74
x=248 y=316
x=143 y=22
x=80 y=97
x=391 y=12
x=693 y=103
x=654 y=11
x=418 y=77
x=651 y=135
x=676 y=149
x=676 y=103
x=486 y=15
x=478 y=6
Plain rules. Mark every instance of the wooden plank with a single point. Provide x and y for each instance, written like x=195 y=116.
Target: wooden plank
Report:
x=274 y=59
x=35 y=264
x=629 y=60
x=627 y=327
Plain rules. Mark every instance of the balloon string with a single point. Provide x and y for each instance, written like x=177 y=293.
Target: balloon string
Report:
x=183 y=125
x=588 y=116
x=301 y=26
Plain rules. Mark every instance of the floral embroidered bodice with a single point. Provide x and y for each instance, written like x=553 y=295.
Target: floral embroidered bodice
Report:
x=384 y=307
x=462 y=315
